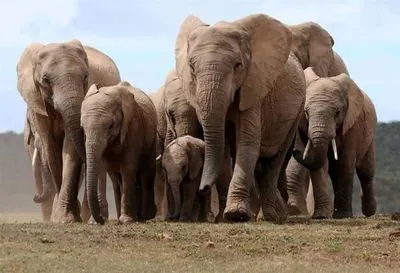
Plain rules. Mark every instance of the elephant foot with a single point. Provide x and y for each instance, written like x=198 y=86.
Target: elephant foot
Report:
x=342 y=214
x=368 y=206
x=321 y=214
x=126 y=219
x=69 y=218
x=270 y=215
x=150 y=214
x=295 y=210
x=220 y=217
x=237 y=212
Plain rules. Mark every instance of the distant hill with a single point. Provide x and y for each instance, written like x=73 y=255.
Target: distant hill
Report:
x=17 y=187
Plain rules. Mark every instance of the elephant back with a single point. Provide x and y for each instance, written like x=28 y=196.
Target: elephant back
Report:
x=102 y=69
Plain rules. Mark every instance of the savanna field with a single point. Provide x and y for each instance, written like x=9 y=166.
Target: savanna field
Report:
x=162 y=117
x=301 y=245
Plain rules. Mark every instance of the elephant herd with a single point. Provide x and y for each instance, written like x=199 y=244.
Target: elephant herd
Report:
x=254 y=112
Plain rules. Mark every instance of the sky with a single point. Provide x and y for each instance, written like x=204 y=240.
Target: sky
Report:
x=140 y=37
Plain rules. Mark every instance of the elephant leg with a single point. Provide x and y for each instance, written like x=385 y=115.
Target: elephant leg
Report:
x=68 y=198
x=343 y=189
x=85 y=210
x=320 y=184
x=297 y=176
x=103 y=193
x=222 y=184
x=147 y=177
x=204 y=207
x=116 y=182
x=248 y=150
x=366 y=172
x=129 y=197
x=46 y=206
x=269 y=198
x=160 y=192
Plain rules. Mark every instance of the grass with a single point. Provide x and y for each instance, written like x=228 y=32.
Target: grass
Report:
x=352 y=245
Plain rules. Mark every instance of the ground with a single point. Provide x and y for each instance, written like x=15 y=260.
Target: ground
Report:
x=353 y=245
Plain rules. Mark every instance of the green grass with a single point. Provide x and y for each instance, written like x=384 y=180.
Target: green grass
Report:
x=353 y=245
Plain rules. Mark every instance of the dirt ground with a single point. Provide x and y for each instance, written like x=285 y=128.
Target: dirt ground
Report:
x=301 y=245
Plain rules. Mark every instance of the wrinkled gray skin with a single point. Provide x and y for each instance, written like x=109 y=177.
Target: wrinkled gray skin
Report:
x=182 y=120
x=313 y=47
x=182 y=163
x=53 y=80
x=44 y=198
x=242 y=73
x=336 y=109
x=120 y=125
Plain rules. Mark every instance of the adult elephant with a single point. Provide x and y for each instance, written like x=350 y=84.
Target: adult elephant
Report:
x=242 y=73
x=313 y=47
x=160 y=194
x=181 y=120
x=338 y=112
x=53 y=80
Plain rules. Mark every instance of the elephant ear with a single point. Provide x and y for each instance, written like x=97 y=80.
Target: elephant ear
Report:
x=181 y=55
x=320 y=50
x=26 y=84
x=269 y=48
x=196 y=158
x=355 y=99
x=127 y=105
x=310 y=75
x=92 y=90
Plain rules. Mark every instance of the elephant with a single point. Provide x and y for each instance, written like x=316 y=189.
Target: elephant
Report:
x=338 y=112
x=182 y=163
x=53 y=80
x=241 y=77
x=159 y=183
x=120 y=126
x=181 y=120
x=313 y=47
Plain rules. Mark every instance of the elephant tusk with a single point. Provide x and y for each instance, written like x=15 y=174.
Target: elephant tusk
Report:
x=335 y=155
x=306 y=149
x=34 y=157
x=158 y=157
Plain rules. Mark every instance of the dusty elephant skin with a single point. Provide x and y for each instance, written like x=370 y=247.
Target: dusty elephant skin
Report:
x=120 y=124
x=53 y=80
x=242 y=72
x=181 y=120
x=182 y=163
x=45 y=190
x=313 y=47
x=339 y=113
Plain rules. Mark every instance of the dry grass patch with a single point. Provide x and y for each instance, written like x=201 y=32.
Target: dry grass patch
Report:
x=354 y=245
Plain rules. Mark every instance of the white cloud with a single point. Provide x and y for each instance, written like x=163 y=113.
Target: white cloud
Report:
x=24 y=20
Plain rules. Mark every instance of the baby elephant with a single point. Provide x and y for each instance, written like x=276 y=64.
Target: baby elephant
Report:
x=120 y=124
x=182 y=163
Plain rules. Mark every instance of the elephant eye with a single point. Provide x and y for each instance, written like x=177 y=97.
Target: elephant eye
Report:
x=306 y=114
x=237 y=66
x=337 y=113
x=45 y=80
x=191 y=65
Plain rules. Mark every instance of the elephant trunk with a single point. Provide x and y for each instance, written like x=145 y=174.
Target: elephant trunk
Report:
x=44 y=181
x=68 y=101
x=320 y=134
x=176 y=195
x=94 y=151
x=213 y=104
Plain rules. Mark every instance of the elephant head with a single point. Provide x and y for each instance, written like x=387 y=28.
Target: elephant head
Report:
x=53 y=80
x=182 y=163
x=333 y=105
x=312 y=45
x=180 y=115
x=229 y=63
x=106 y=115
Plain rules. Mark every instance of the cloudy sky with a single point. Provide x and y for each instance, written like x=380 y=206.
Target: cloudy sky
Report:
x=140 y=37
